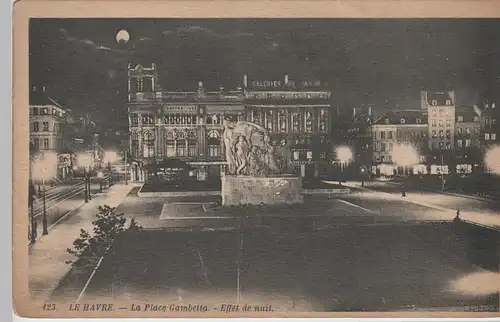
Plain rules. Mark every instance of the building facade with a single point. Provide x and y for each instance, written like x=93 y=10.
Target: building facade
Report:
x=50 y=130
x=467 y=141
x=188 y=125
x=403 y=127
x=354 y=131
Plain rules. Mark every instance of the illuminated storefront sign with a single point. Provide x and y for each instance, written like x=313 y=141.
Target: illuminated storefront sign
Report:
x=290 y=84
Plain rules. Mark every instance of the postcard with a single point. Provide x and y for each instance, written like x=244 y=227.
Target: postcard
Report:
x=256 y=159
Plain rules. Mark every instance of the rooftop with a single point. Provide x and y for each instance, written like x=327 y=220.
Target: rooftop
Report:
x=402 y=117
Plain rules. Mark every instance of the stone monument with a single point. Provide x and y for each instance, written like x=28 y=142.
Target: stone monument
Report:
x=257 y=172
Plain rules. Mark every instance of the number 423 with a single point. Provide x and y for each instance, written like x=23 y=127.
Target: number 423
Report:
x=49 y=307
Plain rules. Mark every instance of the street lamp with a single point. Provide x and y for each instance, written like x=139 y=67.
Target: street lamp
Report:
x=344 y=156
x=85 y=161
x=492 y=159
x=404 y=156
x=110 y=157
x=45 y=169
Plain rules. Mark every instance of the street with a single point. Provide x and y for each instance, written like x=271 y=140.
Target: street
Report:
x=60 y=200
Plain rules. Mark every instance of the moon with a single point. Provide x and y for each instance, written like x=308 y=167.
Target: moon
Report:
x=122 y=36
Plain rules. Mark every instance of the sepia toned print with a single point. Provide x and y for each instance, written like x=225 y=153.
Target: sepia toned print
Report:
x=260 y=167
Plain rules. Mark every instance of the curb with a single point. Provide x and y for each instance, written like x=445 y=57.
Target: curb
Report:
x=218 y=193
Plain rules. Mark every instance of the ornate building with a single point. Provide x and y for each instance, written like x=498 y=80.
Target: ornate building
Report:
x=188 y=125
x=51 y=130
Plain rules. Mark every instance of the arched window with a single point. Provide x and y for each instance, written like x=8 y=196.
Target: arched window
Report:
x=170 y=144
x=134 y=144
x=149 y=144
x=213 y=144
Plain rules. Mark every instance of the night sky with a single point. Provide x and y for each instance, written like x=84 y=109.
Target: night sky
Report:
x=369 y=61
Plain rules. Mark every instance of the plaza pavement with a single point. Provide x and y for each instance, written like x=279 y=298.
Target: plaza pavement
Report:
x=48 y=256
x=350 y=268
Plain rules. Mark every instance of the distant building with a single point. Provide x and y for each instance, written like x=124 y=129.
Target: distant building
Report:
x=50 y=129
x=402 y=127
x=353 y=131
x=467 y=140
x=188 y=125
x=489 y=112
x=440 y=110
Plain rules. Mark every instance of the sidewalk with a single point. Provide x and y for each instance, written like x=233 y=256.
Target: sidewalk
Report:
x=47 y=258
x=482 y=218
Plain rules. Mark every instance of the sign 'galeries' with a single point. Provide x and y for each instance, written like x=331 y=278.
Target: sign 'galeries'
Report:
x=190 y=125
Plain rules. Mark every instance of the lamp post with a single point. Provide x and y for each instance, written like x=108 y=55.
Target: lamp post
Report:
x=45 y=169
x=85 y=162
x=110 y=157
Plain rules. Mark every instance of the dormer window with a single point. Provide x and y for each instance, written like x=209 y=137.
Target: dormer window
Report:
x=448 y=102
x=309 y=96
x=419 y=121
x=269 y=96
x=255 y=95
x=403 y=121
x=386 y=121
x=295 y=96
x=492 y=105
x=434 y=102
x=282 y=96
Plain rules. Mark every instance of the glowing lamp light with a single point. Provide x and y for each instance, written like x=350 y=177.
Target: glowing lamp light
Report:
x=344 y=154
x=492 y=159
x=405 y=155
x=110 y=156
x=45 y=167
x=84 y=160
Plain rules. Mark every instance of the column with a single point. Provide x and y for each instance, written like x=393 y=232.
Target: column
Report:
x=302 y=170
x=202 y=140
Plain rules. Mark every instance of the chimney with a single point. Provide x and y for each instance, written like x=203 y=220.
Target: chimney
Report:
x=221 y=88
x=353 y=112
x=200 y=84
x=43 y=89
x=369 y=110
x=34 y=88
x=286 y=79
x=423 y=100
x=245 y=81
x=452 y=97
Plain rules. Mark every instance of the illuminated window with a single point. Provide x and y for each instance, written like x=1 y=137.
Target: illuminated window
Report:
x=323 y=119
x=192 y=148
x=270 y=120
x=149 y=145
x=448 y=102
x=134 y=145
x=434 y=133
x=46 y=145
x=448 y=123
x=295 y=120
x=45 y=126
x=493 y=136
x=459 y=143
x=170 y=148
x=181 y=148
x=460 y=119
x=134 y=120
x=282 y=121
x=35 y=127
x=308 y=121
x=486 y=136
x=434 y=102
x=433 y=123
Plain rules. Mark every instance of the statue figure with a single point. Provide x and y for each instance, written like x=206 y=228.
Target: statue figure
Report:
x=254 y=162
x=230 y=152
x=269 y=158
x=242 y=150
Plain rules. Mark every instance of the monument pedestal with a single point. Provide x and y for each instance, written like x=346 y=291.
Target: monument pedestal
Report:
x=243 y=190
